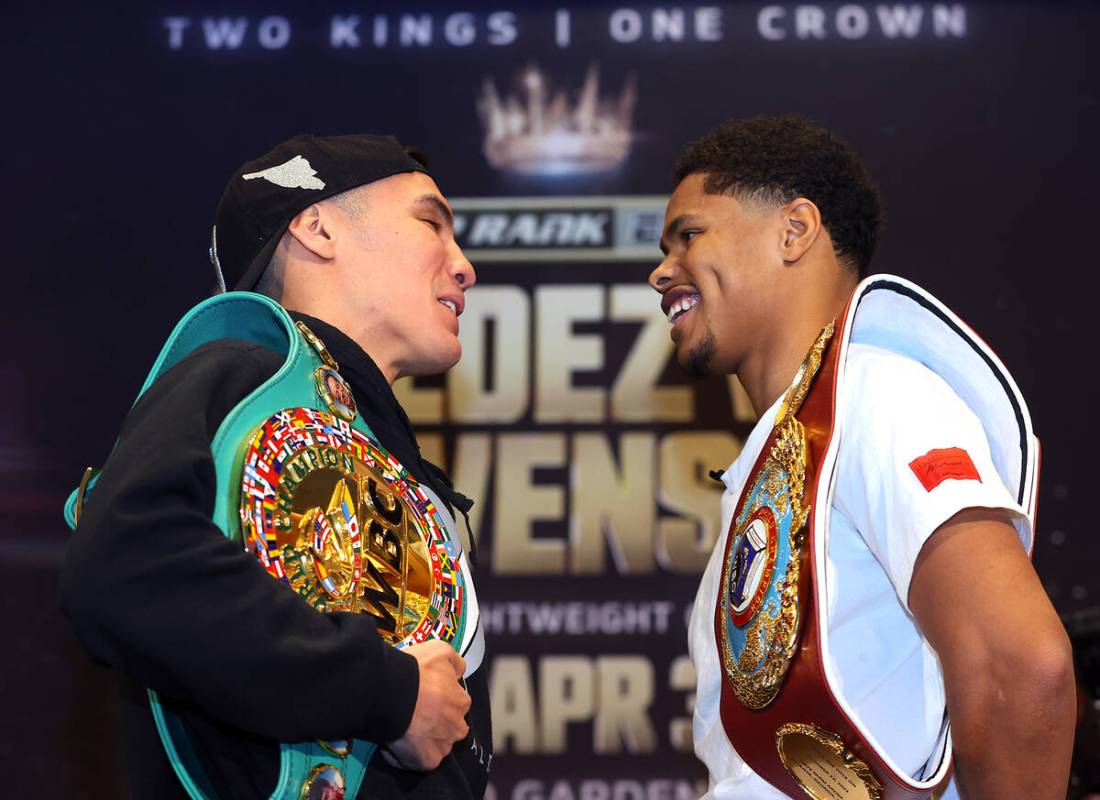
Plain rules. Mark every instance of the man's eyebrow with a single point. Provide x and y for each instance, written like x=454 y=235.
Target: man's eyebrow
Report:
x=437 y=201
x=674 y=228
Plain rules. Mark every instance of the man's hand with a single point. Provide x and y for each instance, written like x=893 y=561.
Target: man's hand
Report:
x=439 y=719
x=1006 y=659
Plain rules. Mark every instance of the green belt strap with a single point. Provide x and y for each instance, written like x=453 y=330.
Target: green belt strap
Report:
x=260 y=320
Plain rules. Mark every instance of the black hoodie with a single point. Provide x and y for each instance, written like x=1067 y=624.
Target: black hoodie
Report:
x=157 y=592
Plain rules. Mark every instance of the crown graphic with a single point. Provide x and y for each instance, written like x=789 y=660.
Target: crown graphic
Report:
x=543 y=135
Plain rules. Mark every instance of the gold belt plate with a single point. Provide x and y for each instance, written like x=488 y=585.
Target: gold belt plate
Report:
x=328 y=511
x=821 y=764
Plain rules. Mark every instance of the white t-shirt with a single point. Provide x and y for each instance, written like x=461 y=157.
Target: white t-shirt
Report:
x=895 y=412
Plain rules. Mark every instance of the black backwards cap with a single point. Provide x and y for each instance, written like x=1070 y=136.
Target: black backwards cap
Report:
x=264 y=195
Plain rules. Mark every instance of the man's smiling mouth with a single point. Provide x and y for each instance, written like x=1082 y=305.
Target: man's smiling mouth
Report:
x=681 y=305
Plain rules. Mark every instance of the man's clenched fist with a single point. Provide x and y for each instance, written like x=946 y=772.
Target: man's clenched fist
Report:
x=439 y=719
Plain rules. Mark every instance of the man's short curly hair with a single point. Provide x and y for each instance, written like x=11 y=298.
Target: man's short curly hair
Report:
x=773 y=160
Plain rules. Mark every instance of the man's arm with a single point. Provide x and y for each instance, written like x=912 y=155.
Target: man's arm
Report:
x=155 y=590
x=1006 y=659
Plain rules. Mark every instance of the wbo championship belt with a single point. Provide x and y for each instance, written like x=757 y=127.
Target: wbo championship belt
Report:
x=777 y=707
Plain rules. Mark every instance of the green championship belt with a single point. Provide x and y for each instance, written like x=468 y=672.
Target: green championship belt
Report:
x=306 y=488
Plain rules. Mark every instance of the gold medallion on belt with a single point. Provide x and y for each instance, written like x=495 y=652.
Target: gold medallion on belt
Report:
x=328 y=511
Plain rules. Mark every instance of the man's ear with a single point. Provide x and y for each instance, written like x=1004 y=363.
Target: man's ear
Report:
x=801 y=227
x=312 y=229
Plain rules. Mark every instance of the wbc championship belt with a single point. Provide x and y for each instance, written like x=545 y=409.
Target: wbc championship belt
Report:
x=777 y=707
x=328 y=511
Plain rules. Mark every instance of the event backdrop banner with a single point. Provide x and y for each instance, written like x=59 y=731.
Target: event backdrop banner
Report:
x=552 y=129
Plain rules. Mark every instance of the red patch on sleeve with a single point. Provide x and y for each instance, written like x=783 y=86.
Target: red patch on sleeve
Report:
x=937 y=466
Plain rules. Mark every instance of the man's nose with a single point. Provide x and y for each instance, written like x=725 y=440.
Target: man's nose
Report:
x=462 y=270
x=663 y=273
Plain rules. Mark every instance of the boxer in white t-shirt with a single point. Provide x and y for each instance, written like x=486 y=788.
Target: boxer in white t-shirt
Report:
x=928 y=600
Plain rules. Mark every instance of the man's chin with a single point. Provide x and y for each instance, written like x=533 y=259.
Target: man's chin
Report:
x=696 y=359
x=454 y=359
x=438 y=362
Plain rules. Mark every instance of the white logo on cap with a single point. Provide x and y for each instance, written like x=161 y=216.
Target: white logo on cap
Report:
x=294 y=174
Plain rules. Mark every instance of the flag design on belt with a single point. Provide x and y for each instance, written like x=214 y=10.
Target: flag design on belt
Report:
x=284 y=437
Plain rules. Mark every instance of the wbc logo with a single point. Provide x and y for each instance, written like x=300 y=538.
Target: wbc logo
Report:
x=326 y=510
